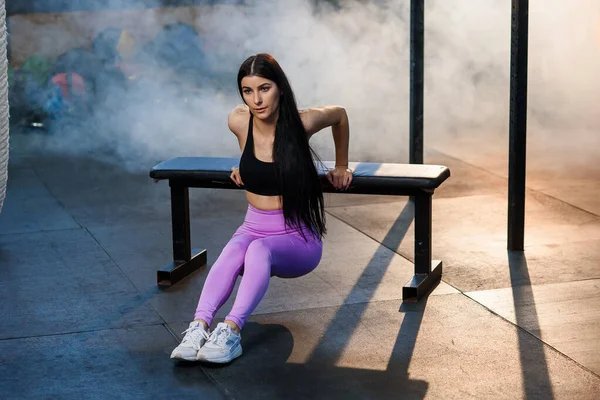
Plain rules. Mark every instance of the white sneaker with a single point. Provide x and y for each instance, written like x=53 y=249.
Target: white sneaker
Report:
x=222 y=346
x=195 y=337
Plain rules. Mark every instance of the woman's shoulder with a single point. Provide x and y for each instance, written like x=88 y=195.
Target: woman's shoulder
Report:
x=317 y=118
x=238 y=119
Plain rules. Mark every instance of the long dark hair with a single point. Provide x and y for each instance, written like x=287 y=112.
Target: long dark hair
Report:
x=299 y=183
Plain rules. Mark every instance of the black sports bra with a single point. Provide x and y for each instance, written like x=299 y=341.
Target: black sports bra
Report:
x=259 y=177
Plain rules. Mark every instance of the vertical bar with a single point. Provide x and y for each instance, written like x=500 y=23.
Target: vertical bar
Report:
x=423 y=233
x=518 y=124
x=180 y=219
x=417 y=29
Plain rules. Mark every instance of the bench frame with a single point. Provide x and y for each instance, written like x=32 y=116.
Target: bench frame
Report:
x=427 y=272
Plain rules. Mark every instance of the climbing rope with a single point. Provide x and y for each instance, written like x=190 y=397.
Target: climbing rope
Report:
x=4 y=111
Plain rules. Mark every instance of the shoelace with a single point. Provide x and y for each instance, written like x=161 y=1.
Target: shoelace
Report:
x=195 y=335
x=220 y=337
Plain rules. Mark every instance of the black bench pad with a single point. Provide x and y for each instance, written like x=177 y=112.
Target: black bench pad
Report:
x=369 y=178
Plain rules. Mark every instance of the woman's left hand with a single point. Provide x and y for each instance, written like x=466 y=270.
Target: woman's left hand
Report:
x=340 y=177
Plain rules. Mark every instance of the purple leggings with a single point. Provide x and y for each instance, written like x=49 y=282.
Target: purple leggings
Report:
x=259 y=249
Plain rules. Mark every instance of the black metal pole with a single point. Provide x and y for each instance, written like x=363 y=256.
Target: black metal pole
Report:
x=417 y=33
x=518 y=124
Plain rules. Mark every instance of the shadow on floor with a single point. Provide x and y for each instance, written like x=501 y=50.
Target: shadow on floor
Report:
x=372 y=272
x=264 y=373
x=534 y=368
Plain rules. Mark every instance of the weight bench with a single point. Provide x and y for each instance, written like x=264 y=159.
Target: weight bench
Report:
x=416 y=180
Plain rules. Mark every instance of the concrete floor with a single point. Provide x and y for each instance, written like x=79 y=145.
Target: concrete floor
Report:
x=81 y=240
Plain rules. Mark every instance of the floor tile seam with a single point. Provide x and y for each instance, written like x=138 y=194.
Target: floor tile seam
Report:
x=220 y=388
x=68 y=333
x=55 y=197
x=551 y=347
x=373 y=330
x=331 y=285
x=110 y=257
x=351 y=303
x=41 y=231
x=16 y=168
x=369 y=236
x=467 y=292
x=538 y=191
x=116 y=264
x=294 y=310
x=381 y=244
x=529 y=246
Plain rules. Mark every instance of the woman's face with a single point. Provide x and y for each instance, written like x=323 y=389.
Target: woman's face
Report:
x=261 y=95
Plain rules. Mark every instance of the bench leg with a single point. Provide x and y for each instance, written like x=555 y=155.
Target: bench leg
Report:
x=184 y=263
x=427 y=272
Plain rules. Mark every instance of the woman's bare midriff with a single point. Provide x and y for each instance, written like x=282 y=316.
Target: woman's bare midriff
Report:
x=264 y=202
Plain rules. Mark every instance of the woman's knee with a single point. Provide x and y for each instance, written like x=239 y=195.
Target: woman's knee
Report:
x=258 y=248
x=258 y=256
x=237 y=247
x=232 y=256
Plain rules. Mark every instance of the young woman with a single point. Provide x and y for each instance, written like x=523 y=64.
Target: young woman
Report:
x=285 y=222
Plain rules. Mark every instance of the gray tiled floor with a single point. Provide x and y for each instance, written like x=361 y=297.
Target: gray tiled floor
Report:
x=81 y=240
x=62 y=281
x=116 y=364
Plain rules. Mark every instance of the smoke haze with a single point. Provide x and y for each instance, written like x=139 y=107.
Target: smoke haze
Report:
x=357 y=56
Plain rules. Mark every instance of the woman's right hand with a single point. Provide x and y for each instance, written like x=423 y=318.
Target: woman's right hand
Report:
x=235 y=176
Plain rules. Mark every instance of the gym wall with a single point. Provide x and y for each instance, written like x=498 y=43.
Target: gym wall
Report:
x=52 y=33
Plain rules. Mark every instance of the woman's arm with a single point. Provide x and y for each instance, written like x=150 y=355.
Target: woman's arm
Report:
x=316 y=119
